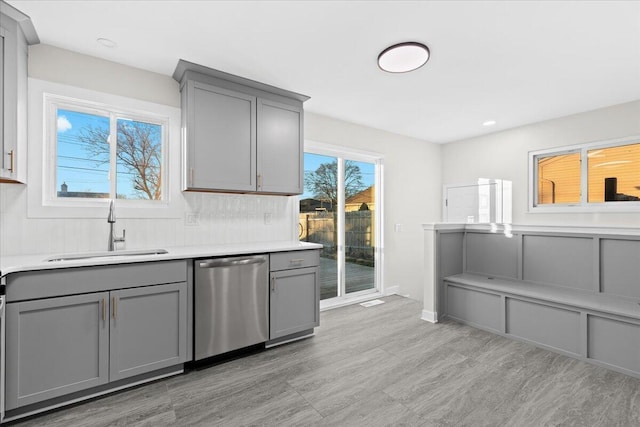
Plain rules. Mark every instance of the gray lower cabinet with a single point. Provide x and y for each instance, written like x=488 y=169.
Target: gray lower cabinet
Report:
x=295 y=293
x=148 y=329
x=56 y=346
x=61 y=345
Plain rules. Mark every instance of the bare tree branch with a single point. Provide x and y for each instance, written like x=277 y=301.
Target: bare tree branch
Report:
x=323 y=182
x=139 y=153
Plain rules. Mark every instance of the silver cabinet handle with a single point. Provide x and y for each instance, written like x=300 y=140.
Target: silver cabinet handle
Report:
x=104 y=310
x=228 y=263
x=115 y=309
x=297 y=260
x=273 y=283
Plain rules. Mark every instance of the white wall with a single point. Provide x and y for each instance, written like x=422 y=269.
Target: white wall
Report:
x=411 y=170
x=224 y=218
x=504 y=155
x=412 y=189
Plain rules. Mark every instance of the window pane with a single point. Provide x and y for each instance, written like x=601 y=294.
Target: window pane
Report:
x=82 y=149
x=614 y=174
x=360 y=208
x=139 y=160
x=318 y=222
x=559 y=179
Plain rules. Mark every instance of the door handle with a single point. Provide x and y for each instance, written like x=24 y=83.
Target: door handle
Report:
x=273 y=283
x=104 y=310
x=114 y=308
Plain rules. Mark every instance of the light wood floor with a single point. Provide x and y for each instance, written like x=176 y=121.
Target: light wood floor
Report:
x=378 y=366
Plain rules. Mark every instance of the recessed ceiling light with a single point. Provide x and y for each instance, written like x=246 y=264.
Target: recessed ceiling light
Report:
x=403 y=57
x=489 y=123
x=106 y=42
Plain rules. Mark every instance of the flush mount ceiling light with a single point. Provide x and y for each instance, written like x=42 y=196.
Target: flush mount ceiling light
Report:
x=106 y=42
x=489 y=123
x=403 y=57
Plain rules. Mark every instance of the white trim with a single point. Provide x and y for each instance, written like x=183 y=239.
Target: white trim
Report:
x=429 y=316
x=40 y=204
x=391 y=290
x=342 y=154
x=331 y=303
x=583 y=206
x=338 y=151
x=515 y=228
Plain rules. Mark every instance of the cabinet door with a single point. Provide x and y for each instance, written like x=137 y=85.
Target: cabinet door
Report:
x=56 y=346
x=3 y=150
x=221 y=141
x=280 y=147
x=295 y=301
x=148 y=329
x=8 y=80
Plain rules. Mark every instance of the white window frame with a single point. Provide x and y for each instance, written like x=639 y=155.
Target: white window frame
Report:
x=342 y=154
x=44 y=100
x=584 y=206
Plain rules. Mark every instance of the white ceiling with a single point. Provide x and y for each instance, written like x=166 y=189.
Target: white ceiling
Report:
x=515 y=62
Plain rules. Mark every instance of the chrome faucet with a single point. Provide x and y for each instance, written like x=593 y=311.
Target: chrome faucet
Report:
x=113 y=239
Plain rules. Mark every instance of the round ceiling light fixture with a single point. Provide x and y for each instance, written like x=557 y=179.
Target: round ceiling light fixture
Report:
x=403 y=57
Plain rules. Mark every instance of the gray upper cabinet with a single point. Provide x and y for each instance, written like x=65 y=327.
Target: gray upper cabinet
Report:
x=16 y=34
x=280 y=151
x=222 y=139
x=239 y=135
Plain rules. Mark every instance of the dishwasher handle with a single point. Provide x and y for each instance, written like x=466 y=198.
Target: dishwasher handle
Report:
x=230 y=263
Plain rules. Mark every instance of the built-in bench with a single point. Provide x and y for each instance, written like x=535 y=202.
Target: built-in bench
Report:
x=576 y=293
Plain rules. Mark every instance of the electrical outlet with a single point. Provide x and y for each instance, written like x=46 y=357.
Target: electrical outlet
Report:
x=398 y=228
x=192 y=219
x=267 y=218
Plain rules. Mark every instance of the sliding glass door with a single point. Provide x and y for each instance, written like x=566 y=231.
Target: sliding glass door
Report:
x=340 y=209
x=359 y=226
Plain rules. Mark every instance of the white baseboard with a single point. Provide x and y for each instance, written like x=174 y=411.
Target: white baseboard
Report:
x=391 y=290
x=429 y=316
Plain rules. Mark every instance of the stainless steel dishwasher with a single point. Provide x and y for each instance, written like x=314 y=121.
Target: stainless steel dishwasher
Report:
x=231 y=304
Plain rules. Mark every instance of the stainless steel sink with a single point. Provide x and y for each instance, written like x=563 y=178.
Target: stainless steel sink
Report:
x=94 y=255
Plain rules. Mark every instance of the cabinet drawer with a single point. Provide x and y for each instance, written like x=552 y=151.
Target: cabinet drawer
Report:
x=80 y=280
x=294 y=259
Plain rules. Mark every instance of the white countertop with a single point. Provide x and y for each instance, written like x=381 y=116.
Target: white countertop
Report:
x=20 y=263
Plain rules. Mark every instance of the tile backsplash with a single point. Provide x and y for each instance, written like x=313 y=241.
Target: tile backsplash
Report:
x=208 y=218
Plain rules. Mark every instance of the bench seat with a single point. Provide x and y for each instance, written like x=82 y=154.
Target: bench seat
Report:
x=586 y=300
x=599 y=328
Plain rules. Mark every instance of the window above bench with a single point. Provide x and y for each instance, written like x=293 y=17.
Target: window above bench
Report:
x=601 y=176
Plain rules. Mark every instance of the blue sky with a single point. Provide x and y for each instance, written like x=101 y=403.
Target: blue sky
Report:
x=313 y=161
x=74 y=166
